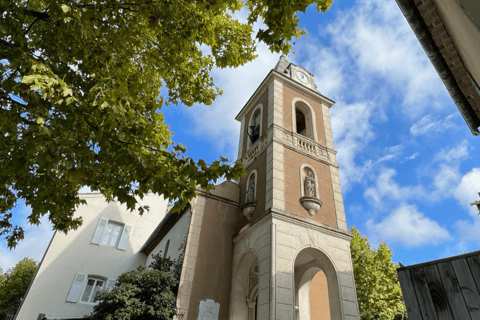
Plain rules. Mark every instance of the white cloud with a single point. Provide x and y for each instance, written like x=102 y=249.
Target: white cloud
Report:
x=217 y=123
x=413 y=156
x=454 y=154
x=467 y=191
x=443 y=178
x=376 y=35
x=33 y=246
x=351 y=135
x=387 y=188
x=427 y=125
x=409 y=227
x=327 y=66
x=468 y=230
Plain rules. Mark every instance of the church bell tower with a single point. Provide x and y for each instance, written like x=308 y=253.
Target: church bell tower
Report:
x=291 y=247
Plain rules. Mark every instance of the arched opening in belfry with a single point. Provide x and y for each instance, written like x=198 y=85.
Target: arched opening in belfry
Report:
x=245 y=289
x=317 y=295
x=254 y=129
x=301 y=124
x=303 y=120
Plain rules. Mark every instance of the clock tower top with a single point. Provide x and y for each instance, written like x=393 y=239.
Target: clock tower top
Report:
x=296 y=73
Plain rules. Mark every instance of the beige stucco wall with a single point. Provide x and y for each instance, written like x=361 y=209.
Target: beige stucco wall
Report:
x=177 y=236
x=206 y=269
x=319 y=305
x=293 y=161
x=72 y=253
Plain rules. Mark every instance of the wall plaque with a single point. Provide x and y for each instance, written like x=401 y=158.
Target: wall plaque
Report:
x=208 y=310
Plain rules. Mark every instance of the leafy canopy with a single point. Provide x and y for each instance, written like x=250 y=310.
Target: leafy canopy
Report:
x=14 y=283
x=378 y=290
x=147 y=294
x=82 y=87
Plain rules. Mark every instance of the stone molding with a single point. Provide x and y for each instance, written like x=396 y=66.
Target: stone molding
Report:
x=293 y=141
x=311 y=224
x=217 y=198
x=305 y=146
x=275 y=213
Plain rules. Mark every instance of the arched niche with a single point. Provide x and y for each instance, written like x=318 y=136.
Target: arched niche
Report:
x=245 y=291
x=251 y=187
x=305 y=169
x=308 y=263
x=303 y=119
x=254 y=128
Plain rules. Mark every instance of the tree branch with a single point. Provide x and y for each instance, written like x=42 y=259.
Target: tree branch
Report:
x=40 y=15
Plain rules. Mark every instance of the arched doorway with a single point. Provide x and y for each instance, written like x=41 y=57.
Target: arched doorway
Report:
x=316 y=278
x=245 y=290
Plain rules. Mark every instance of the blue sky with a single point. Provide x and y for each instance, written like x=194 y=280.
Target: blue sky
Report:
x=408 y=163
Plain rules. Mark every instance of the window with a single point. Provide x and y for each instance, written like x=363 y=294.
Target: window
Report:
x=111 y=234
x=86 y=287
x=91 y=289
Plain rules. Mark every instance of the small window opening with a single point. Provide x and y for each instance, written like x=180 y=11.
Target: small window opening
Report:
x=254 y=128
x=301 y=125
x=91 y=289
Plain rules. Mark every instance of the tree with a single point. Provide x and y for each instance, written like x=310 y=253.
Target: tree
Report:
x=378 y=289
x=14 y=283
x=147 y=294
x=81 y=98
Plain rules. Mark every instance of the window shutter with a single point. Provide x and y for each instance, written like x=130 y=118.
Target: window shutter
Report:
x=122 y=244
x=110 y=284
x=77 y=287
x=97 y=237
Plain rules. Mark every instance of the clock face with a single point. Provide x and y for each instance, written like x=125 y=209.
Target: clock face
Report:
x=302 y=77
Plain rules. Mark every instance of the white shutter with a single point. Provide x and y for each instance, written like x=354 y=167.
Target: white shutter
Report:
x=122 y=244
x=97 y=237
x=77 y=286
x=110 y=284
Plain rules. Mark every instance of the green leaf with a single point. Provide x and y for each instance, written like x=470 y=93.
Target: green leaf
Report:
x=65 y=8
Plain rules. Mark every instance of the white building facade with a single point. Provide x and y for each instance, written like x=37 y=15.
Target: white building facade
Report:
x=77 y=265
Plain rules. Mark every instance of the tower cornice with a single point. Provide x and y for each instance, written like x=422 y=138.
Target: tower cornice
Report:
x=314 y=95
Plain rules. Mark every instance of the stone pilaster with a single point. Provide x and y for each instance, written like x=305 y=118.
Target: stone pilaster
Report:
x=275 y=103
x=328 y=127
x=240 y=144
x=337 y=196
x=275 y=186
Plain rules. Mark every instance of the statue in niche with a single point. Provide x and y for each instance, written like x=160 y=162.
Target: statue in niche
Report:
x=251 y=191
x=309 y=185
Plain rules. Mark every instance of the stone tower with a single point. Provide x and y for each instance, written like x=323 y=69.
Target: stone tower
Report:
x=291 y=247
